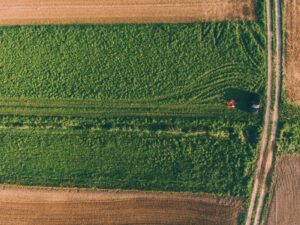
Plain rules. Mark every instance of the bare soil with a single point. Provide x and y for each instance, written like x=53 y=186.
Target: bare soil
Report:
x=32 y=206
x=18 y=12
x=292 y=81
x=285 y=203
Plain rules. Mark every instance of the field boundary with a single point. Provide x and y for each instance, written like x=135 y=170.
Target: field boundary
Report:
x=206 y=197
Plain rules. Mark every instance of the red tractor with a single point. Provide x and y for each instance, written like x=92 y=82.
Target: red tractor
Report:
x=231 y=104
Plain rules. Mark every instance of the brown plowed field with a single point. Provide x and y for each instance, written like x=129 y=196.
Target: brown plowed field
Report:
x=14 y=12
x=32 y=206
x=292 y=80
x=285 y=204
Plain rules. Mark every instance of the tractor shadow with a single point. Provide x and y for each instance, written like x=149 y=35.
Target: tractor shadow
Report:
x=243 y=98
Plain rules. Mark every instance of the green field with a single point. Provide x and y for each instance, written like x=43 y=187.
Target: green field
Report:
x=131 y=106
x=183 y=63
x=157 y=154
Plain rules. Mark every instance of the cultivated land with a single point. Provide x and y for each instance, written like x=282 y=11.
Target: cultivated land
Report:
x=285 y=205
x=165 y=113
x=14 y=12
x=60 y=207
x=134 y=106
x=292 y=81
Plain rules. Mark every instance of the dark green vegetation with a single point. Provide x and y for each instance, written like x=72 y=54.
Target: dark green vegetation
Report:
x=185 y=63
x=289 y=132
x=131 y=106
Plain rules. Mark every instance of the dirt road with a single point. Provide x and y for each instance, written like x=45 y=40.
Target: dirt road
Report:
x=14 y=12
x=265 y=134
x=285 y=203
x=32 y=206
x=266 y=154
x=278 y=72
